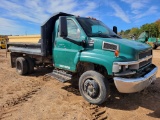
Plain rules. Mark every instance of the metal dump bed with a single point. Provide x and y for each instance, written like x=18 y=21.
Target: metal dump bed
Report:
x=44 y=48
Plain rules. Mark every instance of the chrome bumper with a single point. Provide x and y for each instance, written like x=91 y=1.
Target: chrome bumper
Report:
x=131 y=85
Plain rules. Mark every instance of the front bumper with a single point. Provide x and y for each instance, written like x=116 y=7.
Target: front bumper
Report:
x=131 y=85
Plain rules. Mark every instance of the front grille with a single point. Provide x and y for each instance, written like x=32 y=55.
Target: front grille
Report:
x=145 y=54
x=109 y=46
x=142 y=64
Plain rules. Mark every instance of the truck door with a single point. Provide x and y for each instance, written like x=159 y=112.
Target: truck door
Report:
x=65 y=52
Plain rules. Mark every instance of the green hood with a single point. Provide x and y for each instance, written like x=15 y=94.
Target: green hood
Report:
x=128 y=48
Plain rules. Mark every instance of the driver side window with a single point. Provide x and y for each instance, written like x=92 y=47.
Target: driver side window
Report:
x=73 y=31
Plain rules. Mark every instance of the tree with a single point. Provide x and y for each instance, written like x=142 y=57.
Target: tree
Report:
x=134 y=31
x=158 y=25
x=127 y=31
x=153 y=28
x=144 y=27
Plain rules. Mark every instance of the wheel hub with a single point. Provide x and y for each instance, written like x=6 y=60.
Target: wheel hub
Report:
x=91 y=88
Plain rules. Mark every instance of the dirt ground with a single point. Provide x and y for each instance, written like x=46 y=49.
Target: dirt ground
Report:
x=36 y=97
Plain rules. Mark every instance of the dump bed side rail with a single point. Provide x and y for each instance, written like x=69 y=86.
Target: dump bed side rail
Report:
x=26 y=48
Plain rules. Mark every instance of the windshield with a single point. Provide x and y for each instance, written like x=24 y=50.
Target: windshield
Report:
x=95 y=28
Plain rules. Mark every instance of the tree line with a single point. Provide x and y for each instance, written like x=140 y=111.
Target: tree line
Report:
x=153 y=28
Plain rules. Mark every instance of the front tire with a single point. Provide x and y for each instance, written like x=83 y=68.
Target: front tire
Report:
x=94 y=87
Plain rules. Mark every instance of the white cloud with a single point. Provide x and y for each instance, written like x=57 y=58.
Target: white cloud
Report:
x=37 y=11
x=150 y=11
x=86 y=10
x=10 y=27
x=141 y=8
x=119 y=12
x=61 y=6
x=138 y=4
x=29 y=11
x=135 y=11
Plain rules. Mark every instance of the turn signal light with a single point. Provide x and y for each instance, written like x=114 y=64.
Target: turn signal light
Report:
x=116 y=53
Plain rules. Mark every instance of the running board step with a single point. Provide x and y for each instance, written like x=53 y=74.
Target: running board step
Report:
x=60 y=75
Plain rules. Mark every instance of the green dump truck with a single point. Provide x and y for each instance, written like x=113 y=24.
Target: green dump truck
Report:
x=85 y=51
x=145 y=37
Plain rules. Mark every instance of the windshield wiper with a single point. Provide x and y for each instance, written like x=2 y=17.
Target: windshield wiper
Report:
x=100 y=35
x=115 y=36
x=103 y=35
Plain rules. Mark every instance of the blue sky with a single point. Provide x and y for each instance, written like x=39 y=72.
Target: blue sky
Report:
x=19 y=17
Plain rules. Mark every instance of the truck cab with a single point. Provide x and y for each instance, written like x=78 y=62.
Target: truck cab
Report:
x=91 y=53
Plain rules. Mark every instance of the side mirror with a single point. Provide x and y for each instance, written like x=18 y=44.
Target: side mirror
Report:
x=115 y=29
x=63 y=26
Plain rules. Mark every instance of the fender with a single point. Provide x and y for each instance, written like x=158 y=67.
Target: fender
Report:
x=95 y=58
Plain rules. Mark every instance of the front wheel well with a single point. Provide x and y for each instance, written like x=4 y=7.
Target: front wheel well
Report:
x=85 y=66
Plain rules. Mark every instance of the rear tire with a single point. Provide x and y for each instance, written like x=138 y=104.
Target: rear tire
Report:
x=21 y=66
x=94 y=87
x=30 y=65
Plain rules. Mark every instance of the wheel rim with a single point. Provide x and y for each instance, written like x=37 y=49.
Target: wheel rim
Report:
x=19 y=67
x=91 y=88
